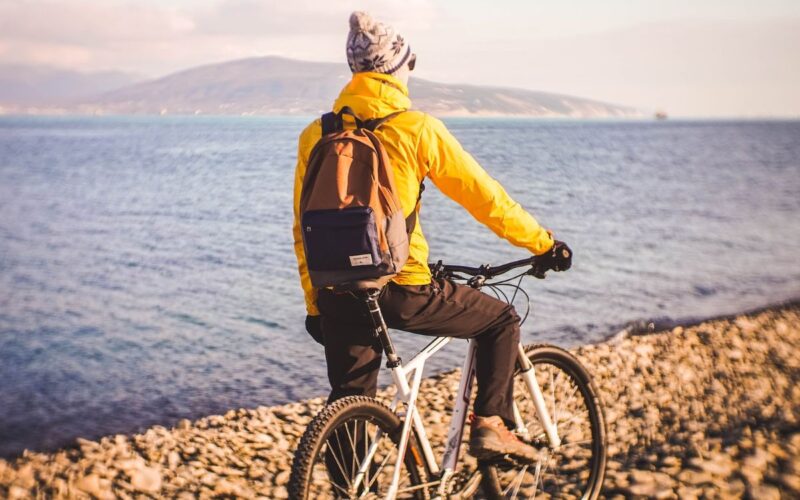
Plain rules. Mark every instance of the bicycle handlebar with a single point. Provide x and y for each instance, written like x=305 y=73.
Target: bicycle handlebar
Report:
x=486 y=271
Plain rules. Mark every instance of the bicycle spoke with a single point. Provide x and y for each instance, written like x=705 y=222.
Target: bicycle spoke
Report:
x=380 y=468
x=339 y=462
x=570 y=397
x=558 y=473
x=353 y=445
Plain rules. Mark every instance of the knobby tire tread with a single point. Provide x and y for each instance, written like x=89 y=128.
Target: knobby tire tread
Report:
x=310 y=441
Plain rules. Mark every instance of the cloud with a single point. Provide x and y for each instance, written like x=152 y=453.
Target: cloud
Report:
x=154 y=38
x=89 y=23
x=689 y=67
x=307 y=17
x=700 y=66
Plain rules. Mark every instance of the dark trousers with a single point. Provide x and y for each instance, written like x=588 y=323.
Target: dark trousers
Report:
x=441 y=309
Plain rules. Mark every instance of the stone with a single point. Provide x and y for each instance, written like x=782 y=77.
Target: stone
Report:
x=718 y=465
x=694 y=478
x=282 y=477
x=18 y=493
x=25 y=477
x=765 y=492
x=184 y=424
x=91 y=484
x=146 y=479
x=173 y=460
x=688 y=493
x=791 y=482
x=229 y=488
x=752 y=475
x=758 y=460
x=649 y=491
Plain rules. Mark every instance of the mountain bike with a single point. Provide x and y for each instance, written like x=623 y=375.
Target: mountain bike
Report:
x=358 y=447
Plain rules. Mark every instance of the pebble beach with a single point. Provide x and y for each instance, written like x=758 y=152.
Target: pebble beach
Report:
x=704 y=411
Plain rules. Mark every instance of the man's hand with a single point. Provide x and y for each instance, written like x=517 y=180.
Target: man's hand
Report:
x=558 y=258
x=314 y=328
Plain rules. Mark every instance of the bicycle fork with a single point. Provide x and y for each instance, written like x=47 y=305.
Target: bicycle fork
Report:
x=529 y=376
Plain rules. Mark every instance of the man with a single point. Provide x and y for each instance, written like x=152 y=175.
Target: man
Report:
x=420 y=147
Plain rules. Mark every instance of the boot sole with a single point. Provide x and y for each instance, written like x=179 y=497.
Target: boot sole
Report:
x=487 y=448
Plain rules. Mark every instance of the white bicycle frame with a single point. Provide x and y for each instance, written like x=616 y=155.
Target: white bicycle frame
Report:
x=408 y=378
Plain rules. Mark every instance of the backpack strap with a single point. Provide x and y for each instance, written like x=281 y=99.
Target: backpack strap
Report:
x=371 y=125
x=331 y=122
x=347 y=110
x=335 y=120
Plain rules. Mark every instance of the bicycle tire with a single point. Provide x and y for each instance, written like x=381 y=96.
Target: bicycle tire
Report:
x=540 y=356
x=331 y=418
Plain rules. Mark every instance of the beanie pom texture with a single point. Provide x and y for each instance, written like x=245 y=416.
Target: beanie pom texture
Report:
x=361 y=21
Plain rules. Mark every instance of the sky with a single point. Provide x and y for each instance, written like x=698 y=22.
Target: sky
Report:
x=688 y=58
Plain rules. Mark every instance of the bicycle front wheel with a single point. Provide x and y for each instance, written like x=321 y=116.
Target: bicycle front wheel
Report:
x=349 y=450
x=575 y=468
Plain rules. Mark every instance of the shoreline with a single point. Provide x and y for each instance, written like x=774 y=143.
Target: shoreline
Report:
x=615 y=333
x=701 y=410
x=658 y=325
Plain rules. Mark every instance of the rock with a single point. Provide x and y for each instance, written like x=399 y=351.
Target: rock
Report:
x=282 y=477
x=18 y=493
x=758 y=460
x=752 y=475
x=130 y=463
x=25 y=477
x=765 y=492
x=694 y=478
x=718 y=465
x=649 y=491
x=173 y=460
x=791 y=482
x=687 y=493
x=91 y=485
x=229 y=488
x=184 y=425
x=146 y=479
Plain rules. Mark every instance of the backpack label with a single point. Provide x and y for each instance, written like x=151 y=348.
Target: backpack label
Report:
x=361 y=260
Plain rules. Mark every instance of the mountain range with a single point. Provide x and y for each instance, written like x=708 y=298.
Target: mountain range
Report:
x=265 y=86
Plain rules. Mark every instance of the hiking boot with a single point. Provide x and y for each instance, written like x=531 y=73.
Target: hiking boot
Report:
x=489 y=438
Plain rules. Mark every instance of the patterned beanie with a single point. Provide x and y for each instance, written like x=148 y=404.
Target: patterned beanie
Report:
x=374 y=46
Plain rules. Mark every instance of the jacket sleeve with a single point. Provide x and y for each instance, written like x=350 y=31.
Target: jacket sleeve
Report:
x=305 y=144
x=456 y=173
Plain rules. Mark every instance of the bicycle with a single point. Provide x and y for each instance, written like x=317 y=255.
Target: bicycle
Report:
x=358 y=447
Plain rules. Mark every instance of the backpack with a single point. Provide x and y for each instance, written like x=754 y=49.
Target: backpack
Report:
x=354 y=233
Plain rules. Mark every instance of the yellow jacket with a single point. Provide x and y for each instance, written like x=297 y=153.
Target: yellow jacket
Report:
x=419 y=146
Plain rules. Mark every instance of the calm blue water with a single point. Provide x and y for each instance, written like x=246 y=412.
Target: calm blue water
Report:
x=147 y=272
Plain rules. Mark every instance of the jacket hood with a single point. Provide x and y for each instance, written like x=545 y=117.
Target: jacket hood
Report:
x=373 y=95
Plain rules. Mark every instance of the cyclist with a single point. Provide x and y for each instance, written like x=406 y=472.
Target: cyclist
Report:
x=419 y=147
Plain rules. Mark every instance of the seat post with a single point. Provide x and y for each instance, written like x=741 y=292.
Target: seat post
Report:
x=381 y=330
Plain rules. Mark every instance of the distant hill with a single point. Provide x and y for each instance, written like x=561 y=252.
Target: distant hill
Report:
x=24 y=85
x=280 y=86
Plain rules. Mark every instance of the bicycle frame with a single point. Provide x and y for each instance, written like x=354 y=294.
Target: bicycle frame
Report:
x=407 y=378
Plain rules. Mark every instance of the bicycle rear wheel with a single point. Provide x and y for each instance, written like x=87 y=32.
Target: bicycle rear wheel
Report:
x=331 y=459
x=576 y=468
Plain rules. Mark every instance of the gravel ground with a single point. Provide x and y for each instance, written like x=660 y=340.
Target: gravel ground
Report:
x=707 y=411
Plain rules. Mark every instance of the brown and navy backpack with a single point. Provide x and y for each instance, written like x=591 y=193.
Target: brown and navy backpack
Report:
x=354 y=232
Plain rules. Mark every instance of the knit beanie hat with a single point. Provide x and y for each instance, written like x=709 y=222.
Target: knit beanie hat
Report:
x=374 y=46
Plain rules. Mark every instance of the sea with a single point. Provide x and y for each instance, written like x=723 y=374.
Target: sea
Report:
x=147 y=272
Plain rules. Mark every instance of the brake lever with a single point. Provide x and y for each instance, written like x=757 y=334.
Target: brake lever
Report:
x=537 y=273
